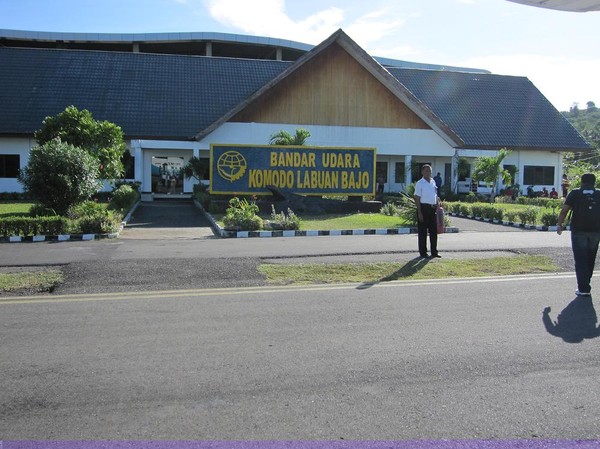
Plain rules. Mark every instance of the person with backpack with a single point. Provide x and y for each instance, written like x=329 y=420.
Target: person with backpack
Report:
x=584 y=204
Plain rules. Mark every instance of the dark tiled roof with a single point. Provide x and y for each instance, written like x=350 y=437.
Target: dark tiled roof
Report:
x=177 y=97
x=161 y=96
x=490 y=111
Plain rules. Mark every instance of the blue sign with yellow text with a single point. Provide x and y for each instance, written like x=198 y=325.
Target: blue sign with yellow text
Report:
x=301 y=169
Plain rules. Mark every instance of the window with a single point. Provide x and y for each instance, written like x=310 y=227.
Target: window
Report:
x=512 y=169
x=538 y=175
x=400 y=173
x=9 y=165
x=382 y=170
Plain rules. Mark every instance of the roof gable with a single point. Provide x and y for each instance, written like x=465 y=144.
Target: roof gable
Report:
x=369 y=64
x=331 y=89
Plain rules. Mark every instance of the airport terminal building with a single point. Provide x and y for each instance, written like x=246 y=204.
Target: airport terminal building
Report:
x=175 y=95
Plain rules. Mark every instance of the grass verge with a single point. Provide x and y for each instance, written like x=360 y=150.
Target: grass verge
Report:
x=31 y=281
x=282 y=274
x=340 y=221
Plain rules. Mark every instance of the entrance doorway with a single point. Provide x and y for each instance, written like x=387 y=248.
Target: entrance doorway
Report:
x=167 y=175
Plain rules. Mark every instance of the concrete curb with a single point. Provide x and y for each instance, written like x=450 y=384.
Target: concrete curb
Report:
x=508 y=223
x=225 y=233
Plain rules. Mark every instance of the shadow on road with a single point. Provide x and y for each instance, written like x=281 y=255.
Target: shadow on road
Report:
x=575 y=323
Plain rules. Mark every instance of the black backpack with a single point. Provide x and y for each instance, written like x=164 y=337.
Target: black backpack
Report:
x=586 y=211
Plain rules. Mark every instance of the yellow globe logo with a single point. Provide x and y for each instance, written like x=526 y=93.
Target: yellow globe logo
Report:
x=231 y=166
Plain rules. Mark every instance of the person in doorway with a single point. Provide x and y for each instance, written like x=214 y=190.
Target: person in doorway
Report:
x=173 y=184
x=380 y=184
x=438 y=182
x=585 y=230
x=565 y=185
x=427 y=202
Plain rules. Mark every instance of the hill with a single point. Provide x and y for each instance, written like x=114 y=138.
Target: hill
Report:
x=587 y=122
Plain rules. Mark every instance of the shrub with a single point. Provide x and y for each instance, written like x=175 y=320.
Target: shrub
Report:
x=466 y=209
x=477 y=210
x=242 y=214
x=489 y=212
x=59 y=175
x=39 y=210
x=390 y=209
x=549 y=218
x=85 y=209
x=528 y=216
x=289 y=221
x=90 y=217
x=106 y=222
x=408 y=210
x=511 y=216
x=135 y=185
x=504 y=199
x=26 y=226
x=471 y=197
x=123 y=198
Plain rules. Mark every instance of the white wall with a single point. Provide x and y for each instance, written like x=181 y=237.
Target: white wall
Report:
x=15 y=145
x=392 y=146
x=386 y=140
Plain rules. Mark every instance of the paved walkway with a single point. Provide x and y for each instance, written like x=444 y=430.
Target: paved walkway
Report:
x=167 y=220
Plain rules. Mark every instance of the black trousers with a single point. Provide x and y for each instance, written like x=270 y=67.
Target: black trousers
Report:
x=428 y=224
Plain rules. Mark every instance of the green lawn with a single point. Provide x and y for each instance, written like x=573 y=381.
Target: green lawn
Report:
x=340 y=221
x=36 y=281
x=284 y=274
x=351 y=221
x=14 y=208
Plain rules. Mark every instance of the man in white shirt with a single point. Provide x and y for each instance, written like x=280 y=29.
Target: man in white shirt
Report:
x=427 y=201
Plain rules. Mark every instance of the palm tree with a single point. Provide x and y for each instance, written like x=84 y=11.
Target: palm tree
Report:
x=489 y=169
x=285 y=138
x=195 y=168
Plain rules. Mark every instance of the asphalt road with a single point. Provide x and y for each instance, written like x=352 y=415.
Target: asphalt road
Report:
x=170 y=246
x=415 y=360
x=168 y=334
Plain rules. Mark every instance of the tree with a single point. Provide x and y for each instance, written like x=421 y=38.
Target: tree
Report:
x=195 y=168
x=101 y=139
x=489 y=169
x=285 y=138
x=59 y=175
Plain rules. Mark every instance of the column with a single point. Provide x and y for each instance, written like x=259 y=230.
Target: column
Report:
x=454 y=171
x=407 y=171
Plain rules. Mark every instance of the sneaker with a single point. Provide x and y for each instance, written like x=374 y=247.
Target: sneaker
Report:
x=578 y=293
x=436 y=255
x=424 y=256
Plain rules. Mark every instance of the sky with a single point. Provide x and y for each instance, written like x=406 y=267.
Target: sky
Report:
x=558 y=51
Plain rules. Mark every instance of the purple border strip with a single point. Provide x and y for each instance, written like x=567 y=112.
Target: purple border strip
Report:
x=416 y=444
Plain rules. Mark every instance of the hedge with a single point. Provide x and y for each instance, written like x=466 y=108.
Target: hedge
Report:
x=25 y=226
